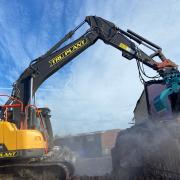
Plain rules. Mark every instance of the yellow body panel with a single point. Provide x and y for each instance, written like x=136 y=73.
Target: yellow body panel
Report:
x=1 y=133
x=27 y=139
x=9 y=135
x=16 y=139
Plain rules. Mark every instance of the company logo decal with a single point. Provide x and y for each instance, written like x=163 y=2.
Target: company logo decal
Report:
x=67 y=52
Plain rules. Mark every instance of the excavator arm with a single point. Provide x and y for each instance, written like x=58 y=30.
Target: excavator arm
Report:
x=43 y=67
x=46 y=65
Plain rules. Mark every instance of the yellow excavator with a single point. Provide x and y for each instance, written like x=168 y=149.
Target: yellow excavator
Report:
x=26 y=137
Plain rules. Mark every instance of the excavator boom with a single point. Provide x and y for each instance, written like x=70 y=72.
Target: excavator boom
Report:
x=43 y=67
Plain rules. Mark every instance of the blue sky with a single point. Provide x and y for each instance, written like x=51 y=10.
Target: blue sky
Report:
x=98 y=89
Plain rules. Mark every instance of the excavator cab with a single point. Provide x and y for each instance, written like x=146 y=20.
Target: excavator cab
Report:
x=26 y=148
x=24 y=141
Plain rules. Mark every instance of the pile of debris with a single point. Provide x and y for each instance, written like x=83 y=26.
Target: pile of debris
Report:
x=150 y=150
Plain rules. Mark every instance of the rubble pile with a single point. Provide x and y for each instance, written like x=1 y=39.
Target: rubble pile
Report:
x=149 y=149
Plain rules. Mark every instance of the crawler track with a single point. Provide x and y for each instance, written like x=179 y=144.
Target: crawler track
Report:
x=38 y=171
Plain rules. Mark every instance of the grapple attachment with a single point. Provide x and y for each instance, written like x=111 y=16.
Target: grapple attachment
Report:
x=172 y=82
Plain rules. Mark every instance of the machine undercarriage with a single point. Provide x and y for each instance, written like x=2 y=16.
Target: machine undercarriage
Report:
x=57 y=164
